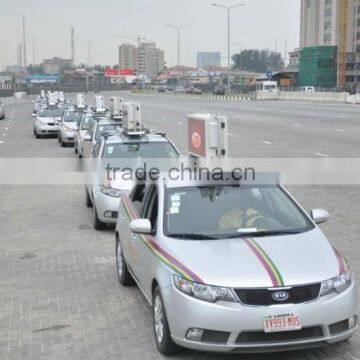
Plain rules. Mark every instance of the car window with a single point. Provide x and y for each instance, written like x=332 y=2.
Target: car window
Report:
x=85 y=124
x=230 y=211
x=137 y=197
x=96 y=150
x=102 y=129
x=150 y=209
x=140 y=150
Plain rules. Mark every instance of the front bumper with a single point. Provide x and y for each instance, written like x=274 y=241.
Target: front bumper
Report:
x=233 y=327
x=107 y=207
x=68 y=137
x=46 y=129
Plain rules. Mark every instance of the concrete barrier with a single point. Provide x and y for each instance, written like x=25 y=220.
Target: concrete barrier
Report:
x=353 y=99
x=331 y=97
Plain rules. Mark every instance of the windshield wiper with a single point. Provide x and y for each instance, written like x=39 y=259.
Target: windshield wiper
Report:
x=263 y=233
x=192 y=236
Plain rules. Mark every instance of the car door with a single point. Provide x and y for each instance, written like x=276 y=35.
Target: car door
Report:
x=87 y=145
x=140 y=242
x=130 y=208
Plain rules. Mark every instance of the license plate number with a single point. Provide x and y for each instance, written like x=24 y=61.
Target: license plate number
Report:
x=282 y=322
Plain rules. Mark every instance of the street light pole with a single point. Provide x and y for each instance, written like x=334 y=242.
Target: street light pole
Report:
x=178 y=29
x=228 y=9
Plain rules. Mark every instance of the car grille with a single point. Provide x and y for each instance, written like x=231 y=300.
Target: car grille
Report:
x=51 y=124
x=264 y=297
x=285 y=336
x=339 y=327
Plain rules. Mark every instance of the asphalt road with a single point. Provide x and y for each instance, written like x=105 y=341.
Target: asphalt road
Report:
x=59 y=295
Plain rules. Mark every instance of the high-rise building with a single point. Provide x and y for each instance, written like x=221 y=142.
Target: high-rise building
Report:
x=127 y=54
x=146 y=59
x=208 y=59
x=333 y=23
x=149 y=59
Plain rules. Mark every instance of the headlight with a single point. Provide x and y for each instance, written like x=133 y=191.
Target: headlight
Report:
x=338 y=284
x=108 y=190
x=65 y=128
x=204 y=292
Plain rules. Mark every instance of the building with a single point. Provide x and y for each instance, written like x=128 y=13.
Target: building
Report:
x=318 y=66
x=208 y=59
x=55 y=65
x=334 y=23
x=149 y=59
x=127 y=55
x=146 y=59
x=294 y=58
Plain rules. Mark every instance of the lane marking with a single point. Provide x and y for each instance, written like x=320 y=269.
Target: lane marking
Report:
x=239 y=117
x=296 y=125
x=342 y=117
x=180 y=123
x=322 y=155
x=340 y=130
x=1 y=142
x=267 y=142
x=4 y=134
x=231 y=134
x=284 y=111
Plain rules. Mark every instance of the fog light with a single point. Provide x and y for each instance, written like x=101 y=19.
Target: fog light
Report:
x=194 y=334
x=108 y=214
x=352 y=322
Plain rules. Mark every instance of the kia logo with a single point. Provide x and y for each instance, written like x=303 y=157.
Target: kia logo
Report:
x=280 y=296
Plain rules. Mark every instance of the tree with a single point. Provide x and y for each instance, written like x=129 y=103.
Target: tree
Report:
x=257 y=60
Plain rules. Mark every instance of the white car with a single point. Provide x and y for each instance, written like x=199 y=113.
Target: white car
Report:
x=47 y=121
x=83 y=134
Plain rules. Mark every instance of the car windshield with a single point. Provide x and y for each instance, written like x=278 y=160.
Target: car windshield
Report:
x=147 y=150
x=102 y=129
x=51 y=113
x=231 y=211
x=85 y=124
x=72 y=116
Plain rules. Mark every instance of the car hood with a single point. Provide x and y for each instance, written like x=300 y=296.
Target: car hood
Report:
x=273 y=261
x=70 y=125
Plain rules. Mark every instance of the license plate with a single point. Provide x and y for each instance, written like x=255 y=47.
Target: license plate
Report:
x=282 y=322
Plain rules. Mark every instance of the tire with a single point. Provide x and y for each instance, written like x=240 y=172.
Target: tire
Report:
x=63 y=144
x=98 y=225
x=59 y=139
x=75 y=149
x=124 y=276
x=88 y=201
x=36 y=134
x=164 y=343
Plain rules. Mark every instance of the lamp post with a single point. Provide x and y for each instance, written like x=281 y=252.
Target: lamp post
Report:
x=178 y=28
x=228 y=9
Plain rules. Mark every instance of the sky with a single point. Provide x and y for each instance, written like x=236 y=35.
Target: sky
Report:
x=101 y=26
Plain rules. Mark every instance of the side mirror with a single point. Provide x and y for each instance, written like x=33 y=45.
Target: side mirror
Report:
x=87 y=137
x=33 y=115
x=140 y=226
x=320 y=216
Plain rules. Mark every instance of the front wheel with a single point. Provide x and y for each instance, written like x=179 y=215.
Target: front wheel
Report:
x=164 y=343
x=98 y=225
x=123 y=273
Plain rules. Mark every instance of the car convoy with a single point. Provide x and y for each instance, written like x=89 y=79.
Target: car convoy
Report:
x=227 y=265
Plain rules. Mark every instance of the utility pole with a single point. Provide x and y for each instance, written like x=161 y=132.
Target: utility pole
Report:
x=24 y=41
x=72 y=45
x=228 y=9
x=178 y=29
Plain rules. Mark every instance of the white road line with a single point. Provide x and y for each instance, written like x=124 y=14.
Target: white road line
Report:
x=6 y=129
x=180 y=123
x=340 y=130
x=4 y=134
x=239 y=117
x=296 y=125
x=231 y=134
x=342 y=117
x=322 y=155
x=284 y=111
x=1 y=142
x=267 y=142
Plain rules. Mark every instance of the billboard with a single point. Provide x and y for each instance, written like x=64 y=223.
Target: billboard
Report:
x=121 y=72
x=41 y=79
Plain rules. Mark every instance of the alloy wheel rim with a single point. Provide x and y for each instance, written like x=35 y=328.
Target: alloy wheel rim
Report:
x=159 y=320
